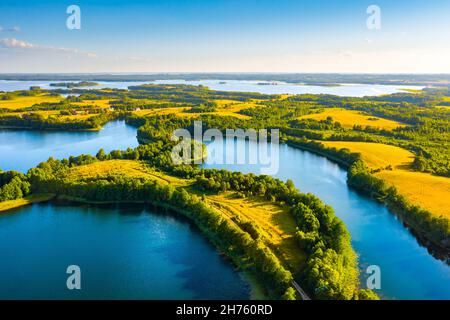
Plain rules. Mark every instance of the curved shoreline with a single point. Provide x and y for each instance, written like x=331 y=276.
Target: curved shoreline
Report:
x=259 y=291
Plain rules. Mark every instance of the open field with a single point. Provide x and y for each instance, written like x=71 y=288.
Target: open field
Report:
x=274 y=222
x=376 y=155
x=426 y=190
x=25 y=102
x=128 y=168
x=225 y=108
x=102 y=103
x=348 y=118
x=160 y=111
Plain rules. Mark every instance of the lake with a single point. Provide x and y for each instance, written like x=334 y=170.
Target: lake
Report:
x=351 y=90
x=124 y=252
x=23 y=149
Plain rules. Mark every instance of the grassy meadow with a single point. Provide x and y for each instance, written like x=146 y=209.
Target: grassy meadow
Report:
x=25 y=102
x=349 y=118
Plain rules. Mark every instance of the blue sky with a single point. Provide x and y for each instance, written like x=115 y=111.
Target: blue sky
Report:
x=225 y=36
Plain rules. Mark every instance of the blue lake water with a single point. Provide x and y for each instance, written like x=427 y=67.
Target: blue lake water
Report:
x=351 y=90
x=408 y=271
x=124 y=252
x=21 y=149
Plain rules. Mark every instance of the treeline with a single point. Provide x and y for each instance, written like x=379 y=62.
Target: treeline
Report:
x=74 y=84
x=39 y=122
x=190 y=93
x=13 y=185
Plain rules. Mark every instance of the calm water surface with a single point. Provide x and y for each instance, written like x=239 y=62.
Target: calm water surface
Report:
x=124 y=252
x=351 y=90
x=23 y=149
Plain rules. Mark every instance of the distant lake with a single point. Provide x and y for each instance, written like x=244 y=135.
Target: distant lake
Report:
x=351 y=90
x=23 y=149
x=124 y=252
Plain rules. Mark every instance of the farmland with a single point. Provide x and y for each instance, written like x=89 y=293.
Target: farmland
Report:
x=25 y=102
x=426 y=190
x=349 y=118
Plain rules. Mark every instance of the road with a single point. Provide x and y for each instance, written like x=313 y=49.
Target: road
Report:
x=301 y=291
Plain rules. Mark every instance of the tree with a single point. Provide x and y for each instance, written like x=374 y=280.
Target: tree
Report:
x=289 y=294
x=101 y=155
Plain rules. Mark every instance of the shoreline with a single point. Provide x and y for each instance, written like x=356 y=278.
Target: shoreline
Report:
x=257 y=289
x=6 y=206
x=49 y=129
x=438 y=250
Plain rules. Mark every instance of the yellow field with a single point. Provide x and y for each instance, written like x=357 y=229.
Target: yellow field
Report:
x=412 y=90
x=25 y=102
x=11 y=204
x=77 y=117
x=129 y=168
x=275 y=223
x=102 y=103
x=348 y=118
x=160 y=111
x=428 y=191
x=376 y=155
x=226 y=108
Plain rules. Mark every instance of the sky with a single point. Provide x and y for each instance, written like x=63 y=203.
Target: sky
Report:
x=225 y=36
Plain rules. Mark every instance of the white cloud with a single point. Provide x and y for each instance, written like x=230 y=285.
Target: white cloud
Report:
x=13 y=29
x=12 y=43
